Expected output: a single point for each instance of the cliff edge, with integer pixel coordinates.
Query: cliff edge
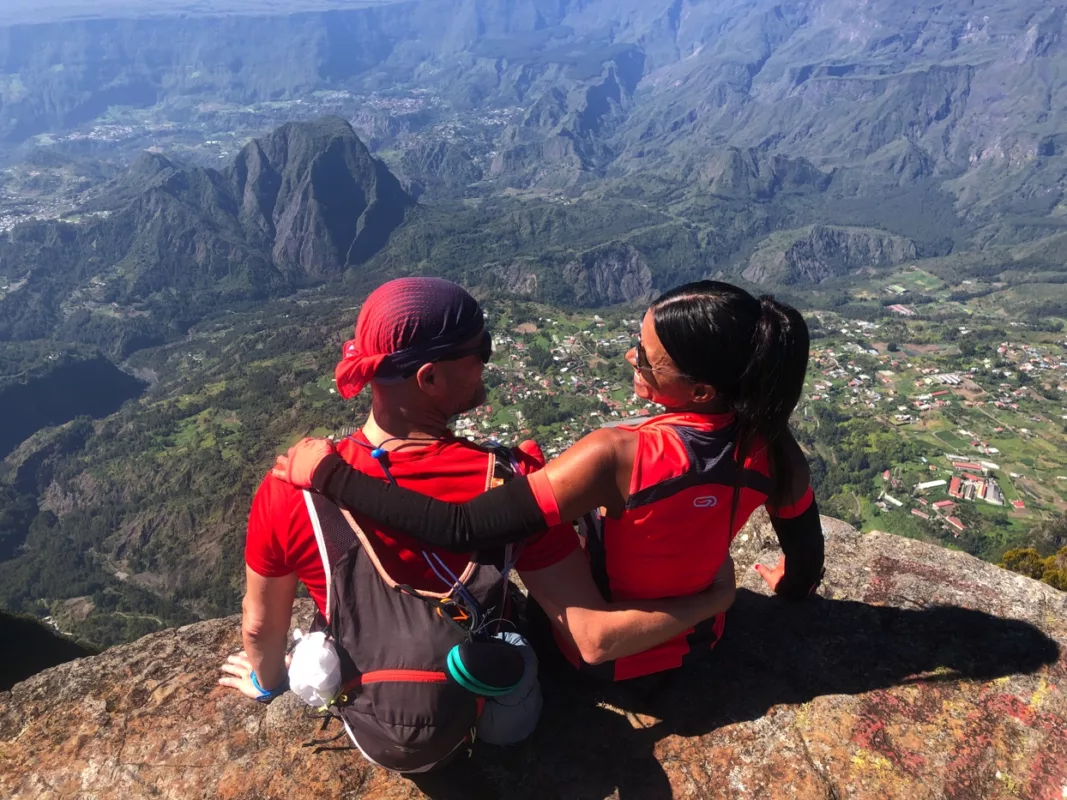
(920, 673)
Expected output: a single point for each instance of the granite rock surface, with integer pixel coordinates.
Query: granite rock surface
(918, 673)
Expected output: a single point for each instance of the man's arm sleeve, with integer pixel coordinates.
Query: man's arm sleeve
(799, 532)
(263, 552)
(505, 515)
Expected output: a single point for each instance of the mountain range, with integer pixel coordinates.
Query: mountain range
(166, 241)
(966, 94)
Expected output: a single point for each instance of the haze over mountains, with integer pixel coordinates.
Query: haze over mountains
(35, 11)
(610, 86)
(957, 109)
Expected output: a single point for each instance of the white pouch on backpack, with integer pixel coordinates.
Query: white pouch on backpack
(315, 671)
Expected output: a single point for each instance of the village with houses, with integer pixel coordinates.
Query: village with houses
(556, 378)
(971, 412)
(973, 426)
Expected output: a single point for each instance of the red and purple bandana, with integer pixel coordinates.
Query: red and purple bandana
(404, 324)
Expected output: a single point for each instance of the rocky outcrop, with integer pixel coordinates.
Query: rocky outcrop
(554, 160)
(754, 174)
(314, 194)
(518, 277)
(613, 273)
(814, 254)
(918, 673)
(439, 168)
(565, 134)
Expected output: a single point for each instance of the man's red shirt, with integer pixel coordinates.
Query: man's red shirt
(281, 540)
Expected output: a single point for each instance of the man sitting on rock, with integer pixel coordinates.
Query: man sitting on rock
(422, 345)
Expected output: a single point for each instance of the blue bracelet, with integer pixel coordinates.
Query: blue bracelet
(265, 695)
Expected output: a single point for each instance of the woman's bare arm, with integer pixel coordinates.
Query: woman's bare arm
(594, 473)
(586, 476)
(601, 631)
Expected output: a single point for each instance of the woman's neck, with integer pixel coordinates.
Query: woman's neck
(714, 407)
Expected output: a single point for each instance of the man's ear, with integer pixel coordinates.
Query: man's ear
(426, 377)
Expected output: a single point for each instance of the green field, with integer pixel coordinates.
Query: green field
(919, 281)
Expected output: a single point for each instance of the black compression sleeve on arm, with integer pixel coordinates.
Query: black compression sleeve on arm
(495, 518)
(802, 543)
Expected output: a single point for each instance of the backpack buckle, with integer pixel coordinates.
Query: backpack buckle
(455, 613)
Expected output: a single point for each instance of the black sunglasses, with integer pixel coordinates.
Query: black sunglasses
(484, 350)
(642, 356)
(641, 363)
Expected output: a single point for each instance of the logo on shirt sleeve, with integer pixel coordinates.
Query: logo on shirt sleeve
(709, 501)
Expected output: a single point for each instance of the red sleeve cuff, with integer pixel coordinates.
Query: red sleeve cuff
(266, 570)
(529, 450)
(795, 510)
(545, 497)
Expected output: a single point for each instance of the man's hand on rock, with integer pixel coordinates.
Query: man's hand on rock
(238, 675)
(299, 465)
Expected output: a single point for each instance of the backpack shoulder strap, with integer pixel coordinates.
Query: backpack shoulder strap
(503, 467)
(333, 535)
(336, 531)
(502, 464)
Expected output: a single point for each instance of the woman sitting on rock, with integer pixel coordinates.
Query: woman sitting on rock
(659, 501)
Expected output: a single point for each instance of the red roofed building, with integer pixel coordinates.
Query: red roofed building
(945, 503)
(967, 465)
(919, 513)
(955, 523)
(954, 488)
(1018, 503)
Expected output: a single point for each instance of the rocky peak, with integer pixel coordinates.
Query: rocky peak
(315, 194)
(919, 673)
(612, 273)
(819, 252)
(307, 200)
(751, 173)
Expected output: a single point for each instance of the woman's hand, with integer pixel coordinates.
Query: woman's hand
(303, 459)
(772, 575)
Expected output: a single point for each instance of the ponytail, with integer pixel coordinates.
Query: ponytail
(760, 359)
(771, 385)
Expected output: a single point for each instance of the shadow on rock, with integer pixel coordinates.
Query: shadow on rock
(33, 647)
(772, 654)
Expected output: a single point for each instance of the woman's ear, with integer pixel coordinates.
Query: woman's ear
(703, 393)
